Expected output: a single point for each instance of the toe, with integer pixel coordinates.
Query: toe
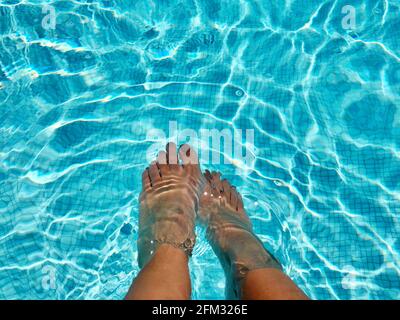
(146, 182)
(162, 157)
(172, 156)
(226, 189)
(216, 175)
(234, 197)
(216, 183)
(187, 155)
(208, 176)
(154, 173)
(189, 158)
(162, 163)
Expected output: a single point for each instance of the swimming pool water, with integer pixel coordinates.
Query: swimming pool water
(77, 103)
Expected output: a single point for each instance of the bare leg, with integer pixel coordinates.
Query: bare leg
(252, 273)
(165, 277)
(168, 204)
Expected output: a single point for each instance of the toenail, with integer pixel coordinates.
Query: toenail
(220, 197)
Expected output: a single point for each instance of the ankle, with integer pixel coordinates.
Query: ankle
(148, 249)
(169, 254)
(240, 251)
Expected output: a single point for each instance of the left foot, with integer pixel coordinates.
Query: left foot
(230, 232)
(169, 200)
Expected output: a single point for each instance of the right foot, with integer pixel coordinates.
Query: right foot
(230, 232)
(169, 201)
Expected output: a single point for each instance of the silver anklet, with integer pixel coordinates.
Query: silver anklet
(186, 246)
(147, 248)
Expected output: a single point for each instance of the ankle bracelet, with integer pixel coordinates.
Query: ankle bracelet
(186, 246)
(148, 248)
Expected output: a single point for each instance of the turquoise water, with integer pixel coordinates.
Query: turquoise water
(77, 103)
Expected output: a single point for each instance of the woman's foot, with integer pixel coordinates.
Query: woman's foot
(230, 232)
(169, 201)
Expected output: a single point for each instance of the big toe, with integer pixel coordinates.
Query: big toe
(171, 154)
